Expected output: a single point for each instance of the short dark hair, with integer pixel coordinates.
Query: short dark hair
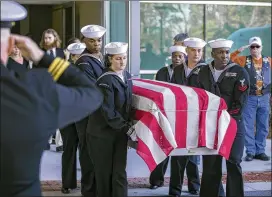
(72, 40)
(181, 37)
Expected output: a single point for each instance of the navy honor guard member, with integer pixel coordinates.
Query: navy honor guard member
(186, 74)
(231, 82)
(109, 138)
(70, 137)
(91, 63)
(178, 54)
(33, 106)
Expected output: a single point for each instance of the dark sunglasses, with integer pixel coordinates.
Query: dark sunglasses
(252, 47)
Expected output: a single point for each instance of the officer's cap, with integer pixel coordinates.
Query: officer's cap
(194, 42)
(176, 48)
(93, 31)
(11, 11)
(114, 48)
(76, 48)
(220, 43)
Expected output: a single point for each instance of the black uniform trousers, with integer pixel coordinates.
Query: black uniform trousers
(157, 175)
(109, 155)
(88, 185)
(178, 166)
(212, 169)
(69, 156)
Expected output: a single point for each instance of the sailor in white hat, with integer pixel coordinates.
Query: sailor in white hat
(191, 67)
(115, 112)
(178, 54)
(34, 105)
(178, 57)
(92, 37)
(187, 74)
(75, 50)
(221, 49)
(116, 57)
(92, 64)
(231, 82)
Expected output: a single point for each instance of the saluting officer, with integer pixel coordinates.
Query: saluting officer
(231, 82)
(91, 63)
(33, 106)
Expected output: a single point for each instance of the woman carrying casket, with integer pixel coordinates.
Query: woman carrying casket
(108, 127)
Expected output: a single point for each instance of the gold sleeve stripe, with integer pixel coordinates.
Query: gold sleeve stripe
(53, 65)
(58, 66)
(61, 69)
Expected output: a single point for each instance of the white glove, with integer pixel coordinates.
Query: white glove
(132, 133)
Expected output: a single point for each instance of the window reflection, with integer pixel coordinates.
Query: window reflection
(160, 22)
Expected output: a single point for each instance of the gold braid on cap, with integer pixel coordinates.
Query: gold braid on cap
(57, 67)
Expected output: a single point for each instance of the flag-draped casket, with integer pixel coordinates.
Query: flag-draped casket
(171, 116)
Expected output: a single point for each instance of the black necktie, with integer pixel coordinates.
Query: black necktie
(51, 53)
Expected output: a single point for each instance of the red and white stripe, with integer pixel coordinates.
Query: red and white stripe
(173, 116)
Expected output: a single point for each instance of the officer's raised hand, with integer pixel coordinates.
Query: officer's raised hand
(241, 49)
(30, 50)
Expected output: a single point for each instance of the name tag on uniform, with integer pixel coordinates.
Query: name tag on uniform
(230, 74)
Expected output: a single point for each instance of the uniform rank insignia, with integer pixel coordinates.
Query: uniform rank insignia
(230, 74)
(242, 87)
(196, 71)
(103, 85)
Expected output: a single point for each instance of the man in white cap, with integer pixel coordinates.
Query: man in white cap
(91, 63)
(231, 82)
(178, 55)
(33, 106)
(257, 107)
(69, 133)
(187, 74)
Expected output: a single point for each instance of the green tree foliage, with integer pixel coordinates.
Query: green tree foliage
(221, 21)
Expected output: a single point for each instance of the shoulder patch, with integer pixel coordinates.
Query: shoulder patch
(103, 85)
(83, 63)
(196, 71)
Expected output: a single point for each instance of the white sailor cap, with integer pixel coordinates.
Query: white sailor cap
(11, 11)
(114, 48)
(194, 42)
(76, 48)
(220, 43)
(255, 40)
(93, 31)
(177, 48)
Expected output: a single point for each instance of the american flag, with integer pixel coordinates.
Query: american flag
(171, 116)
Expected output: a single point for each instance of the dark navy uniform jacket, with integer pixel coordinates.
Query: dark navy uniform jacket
(115, 113)
(165, 74)
(33, 106)
(232, 85)
(179, 75)
(93, 68)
